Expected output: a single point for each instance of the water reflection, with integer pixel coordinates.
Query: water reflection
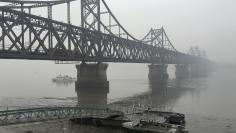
(159, 96)
(64, 83)
(91, 98)
(163, 96)
(166, 95)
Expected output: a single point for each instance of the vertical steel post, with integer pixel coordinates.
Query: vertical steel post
(68, 13)
(82, 4)
(152, 36)
(30, 37)
(3, 32)
(82, 14)
(162, 37)
(50, 38)
(162, 45)
(69, 22)
(49, 11)
(99, 15)
(99, 29)
(22, 29)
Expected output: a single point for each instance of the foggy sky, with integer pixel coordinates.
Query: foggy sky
(209, 24)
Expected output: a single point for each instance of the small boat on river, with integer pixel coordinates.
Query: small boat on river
(170, 117)
(152, 127)
(64, 78)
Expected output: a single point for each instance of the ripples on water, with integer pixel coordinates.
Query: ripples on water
(208, 102)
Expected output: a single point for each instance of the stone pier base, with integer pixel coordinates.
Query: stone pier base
(158, 73)
(92, 86)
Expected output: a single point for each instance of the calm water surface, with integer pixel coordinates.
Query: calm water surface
(29, 83)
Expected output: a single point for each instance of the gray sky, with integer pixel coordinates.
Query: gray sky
(209, 24)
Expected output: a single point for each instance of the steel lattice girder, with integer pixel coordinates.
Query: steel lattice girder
(96, 47)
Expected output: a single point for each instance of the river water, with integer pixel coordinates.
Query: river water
(208, 102)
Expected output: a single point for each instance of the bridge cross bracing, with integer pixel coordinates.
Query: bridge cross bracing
(27, 36)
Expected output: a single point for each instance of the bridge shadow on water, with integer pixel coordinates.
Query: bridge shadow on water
(161, 96)
(92, 91)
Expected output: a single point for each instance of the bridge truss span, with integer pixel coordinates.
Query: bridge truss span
(26, 36)
(65, 42)
(158, 38)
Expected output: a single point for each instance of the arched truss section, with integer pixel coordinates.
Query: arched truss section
(96, 15)
(35, 43)
(158, 38)
(195, 51)
(26, 36)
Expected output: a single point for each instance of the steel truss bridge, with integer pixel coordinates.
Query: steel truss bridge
(100, 38)
(26, 115)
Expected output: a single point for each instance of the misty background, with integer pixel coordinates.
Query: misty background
(208, 24)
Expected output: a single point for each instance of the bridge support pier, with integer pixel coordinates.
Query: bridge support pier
(181, 71)
(158, 74)
(92, 86)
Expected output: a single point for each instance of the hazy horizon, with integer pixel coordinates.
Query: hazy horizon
(204, 94)
(208, 24)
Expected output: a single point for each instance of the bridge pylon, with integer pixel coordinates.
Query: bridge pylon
(91, 14)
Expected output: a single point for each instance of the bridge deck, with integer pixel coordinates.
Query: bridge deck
(44, 39)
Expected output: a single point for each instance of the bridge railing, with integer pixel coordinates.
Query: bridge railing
(24, 115)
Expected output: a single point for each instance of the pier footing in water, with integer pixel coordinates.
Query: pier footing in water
(158, 73)
(92, 86)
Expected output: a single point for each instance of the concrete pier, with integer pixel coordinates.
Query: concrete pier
(158, 73)
(181, 71)
(92, 86)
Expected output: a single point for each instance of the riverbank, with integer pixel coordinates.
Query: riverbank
(195, 124)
